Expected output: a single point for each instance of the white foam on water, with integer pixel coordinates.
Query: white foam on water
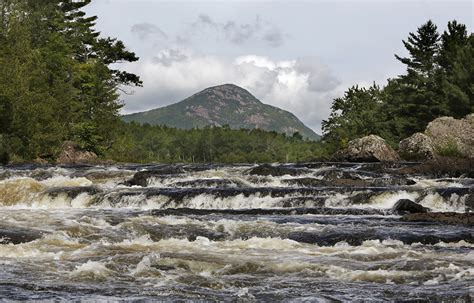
(436, 202)
(386, 200)
(436, 183)
(91, 270)
(264, 243)
(65, 181)
(205, 201)
(25, 251)
(144, 266)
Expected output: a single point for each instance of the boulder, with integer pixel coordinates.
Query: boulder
(17, 235)
(141, 178)
(371, 148)
(443, 217)
(72, 153)
(416, 147)
(452, 137)
(404, 206)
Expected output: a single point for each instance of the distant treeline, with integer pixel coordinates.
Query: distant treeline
(145, 143)
(439, 82)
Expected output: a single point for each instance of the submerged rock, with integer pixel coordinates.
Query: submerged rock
(371, 148)
(72, 191)
(416, 147)
(270, 170)
(404, 206)
(18, 235)
(218, 183)
(442, 167)
(442, 217)
(141, 178)
(72, 153)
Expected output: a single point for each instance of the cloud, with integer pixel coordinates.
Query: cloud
(147, 30)
(234, 32)
(168, 56)
(304, 87)
(320, 78)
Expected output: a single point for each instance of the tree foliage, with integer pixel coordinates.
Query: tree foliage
(439, 81)
(56, 82)
(146, 143)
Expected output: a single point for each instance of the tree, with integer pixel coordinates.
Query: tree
(415, 98)
(56, 80)
(423, 49)
(358, 113)
(457, 69)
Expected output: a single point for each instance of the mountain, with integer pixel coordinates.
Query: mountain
(221, 105)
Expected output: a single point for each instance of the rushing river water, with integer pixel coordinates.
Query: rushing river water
(315, 232)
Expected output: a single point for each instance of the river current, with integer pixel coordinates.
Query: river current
(317, 232)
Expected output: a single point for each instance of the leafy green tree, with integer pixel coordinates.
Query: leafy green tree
(358, 113)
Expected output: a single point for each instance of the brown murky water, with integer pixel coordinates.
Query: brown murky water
(219, 233)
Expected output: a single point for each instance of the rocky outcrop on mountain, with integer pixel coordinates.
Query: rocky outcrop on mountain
(72, 153)
(371, 148)
(222, 105)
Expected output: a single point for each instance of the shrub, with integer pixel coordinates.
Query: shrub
(449, 149)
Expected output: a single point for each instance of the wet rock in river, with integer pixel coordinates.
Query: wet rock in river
(368, 149)
(270, 170)
(221, 183)
(330, 238)
(141, 178)
(404, 206)
(442, 217)
(72, 191)
(469, 203)
(442, 167)
(18, 235)
(40, 175)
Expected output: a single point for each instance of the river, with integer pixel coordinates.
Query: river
(317, 232)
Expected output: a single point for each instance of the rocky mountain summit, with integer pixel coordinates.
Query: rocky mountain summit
(226, 104)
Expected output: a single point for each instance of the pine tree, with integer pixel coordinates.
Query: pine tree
(416, 96)
(457, 69)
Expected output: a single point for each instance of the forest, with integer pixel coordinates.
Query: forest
(439, 81)
(59, 81)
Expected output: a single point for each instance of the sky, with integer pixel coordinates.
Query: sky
(296, 55)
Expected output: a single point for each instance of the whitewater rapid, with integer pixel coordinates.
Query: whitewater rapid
(313, 232)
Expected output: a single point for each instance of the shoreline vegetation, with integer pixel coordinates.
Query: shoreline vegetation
(59, 83)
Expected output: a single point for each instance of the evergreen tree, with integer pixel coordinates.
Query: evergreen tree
(56, 83)
(416, 95)
(457, 75)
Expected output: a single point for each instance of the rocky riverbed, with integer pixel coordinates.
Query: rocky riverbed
(305, 232)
